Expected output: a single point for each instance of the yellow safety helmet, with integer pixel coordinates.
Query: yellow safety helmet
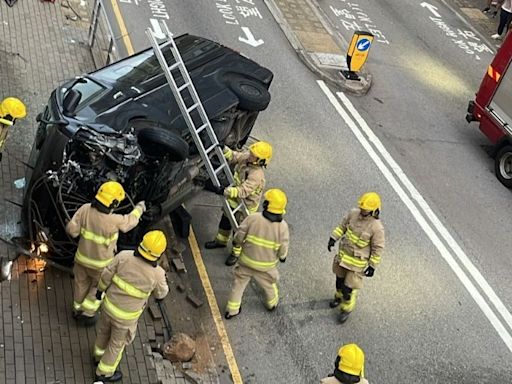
(263, 151)
(277, 201)
(110, 192)
(152, 246)
(369, 201)
(351, 360)
(11, 108)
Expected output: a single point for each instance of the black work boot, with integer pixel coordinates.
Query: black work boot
(231, 260)
(335, 302)
(88, 321)
(343, 316)
(118, 375)
(76, 314)
(227, 316)
(214, 244)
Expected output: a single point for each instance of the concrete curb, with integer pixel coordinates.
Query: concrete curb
(329, 72)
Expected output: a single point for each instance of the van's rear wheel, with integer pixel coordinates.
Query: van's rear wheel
(503, 166)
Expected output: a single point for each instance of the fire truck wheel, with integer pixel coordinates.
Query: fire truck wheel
(503, 166)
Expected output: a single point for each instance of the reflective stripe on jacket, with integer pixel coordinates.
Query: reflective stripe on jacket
(249, 181)
(98, 233)
(128, 282)
(262, 242)
(362, 241)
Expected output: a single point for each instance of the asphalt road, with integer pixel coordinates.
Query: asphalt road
(422, 318)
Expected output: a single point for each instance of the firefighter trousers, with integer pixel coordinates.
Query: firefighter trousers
(112, 336)
(85, 285)
(225, 228)
(266, 280)
(348, 284)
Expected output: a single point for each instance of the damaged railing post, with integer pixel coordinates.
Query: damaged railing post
(101, 39)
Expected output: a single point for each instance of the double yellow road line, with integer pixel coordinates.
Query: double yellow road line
(194, 247)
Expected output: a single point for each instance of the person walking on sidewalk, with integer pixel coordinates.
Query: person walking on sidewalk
(260, 242)
(361, 236)
(127, 283)
(505, 18)
(98, 229)
(249, 184)
(348, 366)
(11, 109)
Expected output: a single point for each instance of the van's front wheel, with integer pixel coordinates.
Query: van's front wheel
(503, 166)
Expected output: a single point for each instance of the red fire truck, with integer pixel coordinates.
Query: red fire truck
(492, 108)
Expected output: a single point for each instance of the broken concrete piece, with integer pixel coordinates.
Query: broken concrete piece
(196, 301)
(181, 347)
(154, 311)
(179, 265)
(180, 287)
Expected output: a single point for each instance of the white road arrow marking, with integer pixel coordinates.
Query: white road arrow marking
(431, 8)
(159, 34)
(250, 39)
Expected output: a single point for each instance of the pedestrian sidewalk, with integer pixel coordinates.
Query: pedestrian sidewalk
(40, 47)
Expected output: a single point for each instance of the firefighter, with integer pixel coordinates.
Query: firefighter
(260, 242)
(127, 283)
(98, 229)
(11, 109)
(249, 183)
(348, 366)
(361, 245)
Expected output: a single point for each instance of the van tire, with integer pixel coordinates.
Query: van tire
(252, 95)
(155, 140)
(503, 166)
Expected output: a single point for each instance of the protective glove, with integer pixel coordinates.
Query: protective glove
(98, 294)
(159, 300)
(282, 260)
(331, 244)
(151, 213)
(141, 205)
(369, 271)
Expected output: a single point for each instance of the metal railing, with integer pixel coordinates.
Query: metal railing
(102, 41)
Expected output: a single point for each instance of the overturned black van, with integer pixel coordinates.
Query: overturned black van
(122, 123)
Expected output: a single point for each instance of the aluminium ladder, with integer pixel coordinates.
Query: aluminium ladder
(194, 114)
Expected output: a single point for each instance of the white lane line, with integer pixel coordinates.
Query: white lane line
(434, 238)
(443, 231)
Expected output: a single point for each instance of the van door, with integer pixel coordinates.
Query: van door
(501, 103)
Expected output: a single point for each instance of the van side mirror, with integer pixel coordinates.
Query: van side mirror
(70, 102)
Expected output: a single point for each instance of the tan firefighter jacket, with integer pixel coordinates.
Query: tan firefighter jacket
(99, 232)
(128, 282)
(362, 241)
(263, 242)
(333, 380)
(249, 181)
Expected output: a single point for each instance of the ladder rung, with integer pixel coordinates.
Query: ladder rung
(240, 206)
(174, 66)
(219, 169)
(192, 107)
(183, 86)
(201, 128)
(166, 44)
(211, 148)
